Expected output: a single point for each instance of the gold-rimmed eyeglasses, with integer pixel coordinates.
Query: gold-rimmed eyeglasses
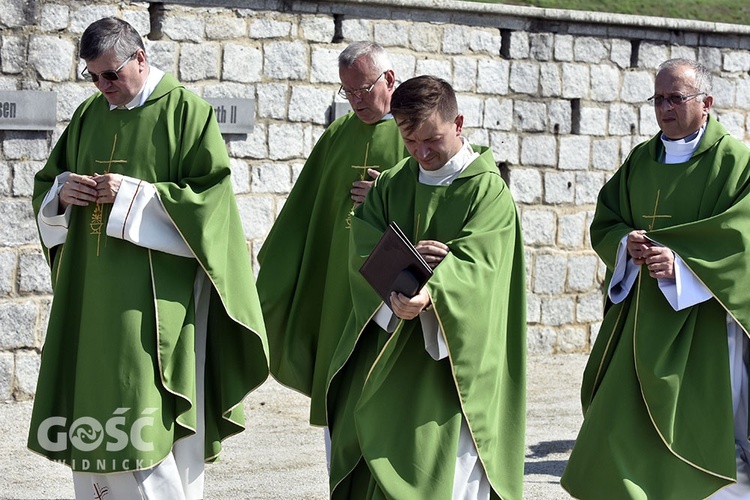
(359, 93)
(674, 99)
(110, 75)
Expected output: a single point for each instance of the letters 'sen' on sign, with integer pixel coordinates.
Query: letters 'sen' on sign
(28, 110)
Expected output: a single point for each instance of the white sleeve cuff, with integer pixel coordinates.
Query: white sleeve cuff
(385, 318)
(434, 343)
(53, 227)
(685, 289)
(624, 274)
(138, 216)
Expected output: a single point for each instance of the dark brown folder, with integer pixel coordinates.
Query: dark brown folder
(394, 265)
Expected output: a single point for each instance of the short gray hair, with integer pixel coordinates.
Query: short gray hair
(703, 80)
(109, 34)
(375, 52)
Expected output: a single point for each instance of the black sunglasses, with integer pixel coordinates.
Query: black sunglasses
(107, 75)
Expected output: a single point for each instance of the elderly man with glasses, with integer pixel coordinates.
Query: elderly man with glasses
(155, 334)
(303, 280)
(665, 391)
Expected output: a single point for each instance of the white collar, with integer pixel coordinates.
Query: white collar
(448, 172)
(680, 150)
(152, 80)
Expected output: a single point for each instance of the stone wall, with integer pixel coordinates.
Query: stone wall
(558, 95)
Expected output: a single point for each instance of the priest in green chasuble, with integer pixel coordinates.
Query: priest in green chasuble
(427, 398)
(665, 391)
(155, 333)
(303, 282)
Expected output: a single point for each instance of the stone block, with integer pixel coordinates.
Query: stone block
(542, 45)
(269, 28)
(575, 152)
(637, 86)
(519, 45)
(324, 67)
(504, 147)
(242, 63)
(558, 311)
(549, 274)
(571, 339)
(253, 145)
(550, 81)
(17, 226)
(539, 227)
(588, 185)
(52, 57)
(478, 137)
(317, 28)
(425, 37)
(605, 83)
(647, 125)
(404, 65)
(231, 90)
(6, 376)
(563, 48)
(540, 150)
(590, 50)
(271, 178)
(524, 77)
(742, 96)
(455, 40)
(605, 154)
(17, 324)
(310, 104)
(533, 308)
(593, 121)
(199, 62)
(272, 98)
(257, 215)
(12, 13)
(541, 340)
(651, 55)
(575, 81)
(436, 67)
(25, 145)
(181, 27)
(282, 60)
(296, 170)
(392, 34)
(13, 54)
(240, 176)
(225, 27)
(162, 55)
(34, 274)
(710, 57)
(582, 270)
(486, 41)
(23, 177)
(559, 187)
(83, 14)
(724, 92)
(560, 117)
(26, 374)
(472, 109)
(734, 123)
(683, 52)
(7, 272)
(594, 332)
(530, 116)
(498, 114)
(526, 185)
(619, 52)
(286, 141)
(140, 20)
(590, 307)
(5, 179)
(356, 29)
(464, 74)
(571, 230)
(493, 76)
(623, 119)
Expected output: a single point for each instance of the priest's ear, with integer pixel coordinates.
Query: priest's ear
(708, 101)
(390, 79)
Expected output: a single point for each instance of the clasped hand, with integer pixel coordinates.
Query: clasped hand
(658, 260)
(409, 307)
(84, 189)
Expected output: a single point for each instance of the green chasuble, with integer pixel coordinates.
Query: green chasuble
(117, 384)
(395, 412)
(657, 401)
(303, 282)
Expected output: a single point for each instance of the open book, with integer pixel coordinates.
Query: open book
(394, 265)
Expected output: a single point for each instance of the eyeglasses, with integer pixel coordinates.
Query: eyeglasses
(674, 100)
(110, 75)
(358, 93)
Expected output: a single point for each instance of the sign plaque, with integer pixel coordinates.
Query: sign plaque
(28, 110)
(235, 116)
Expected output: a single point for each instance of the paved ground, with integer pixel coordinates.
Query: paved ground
(281, 457)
